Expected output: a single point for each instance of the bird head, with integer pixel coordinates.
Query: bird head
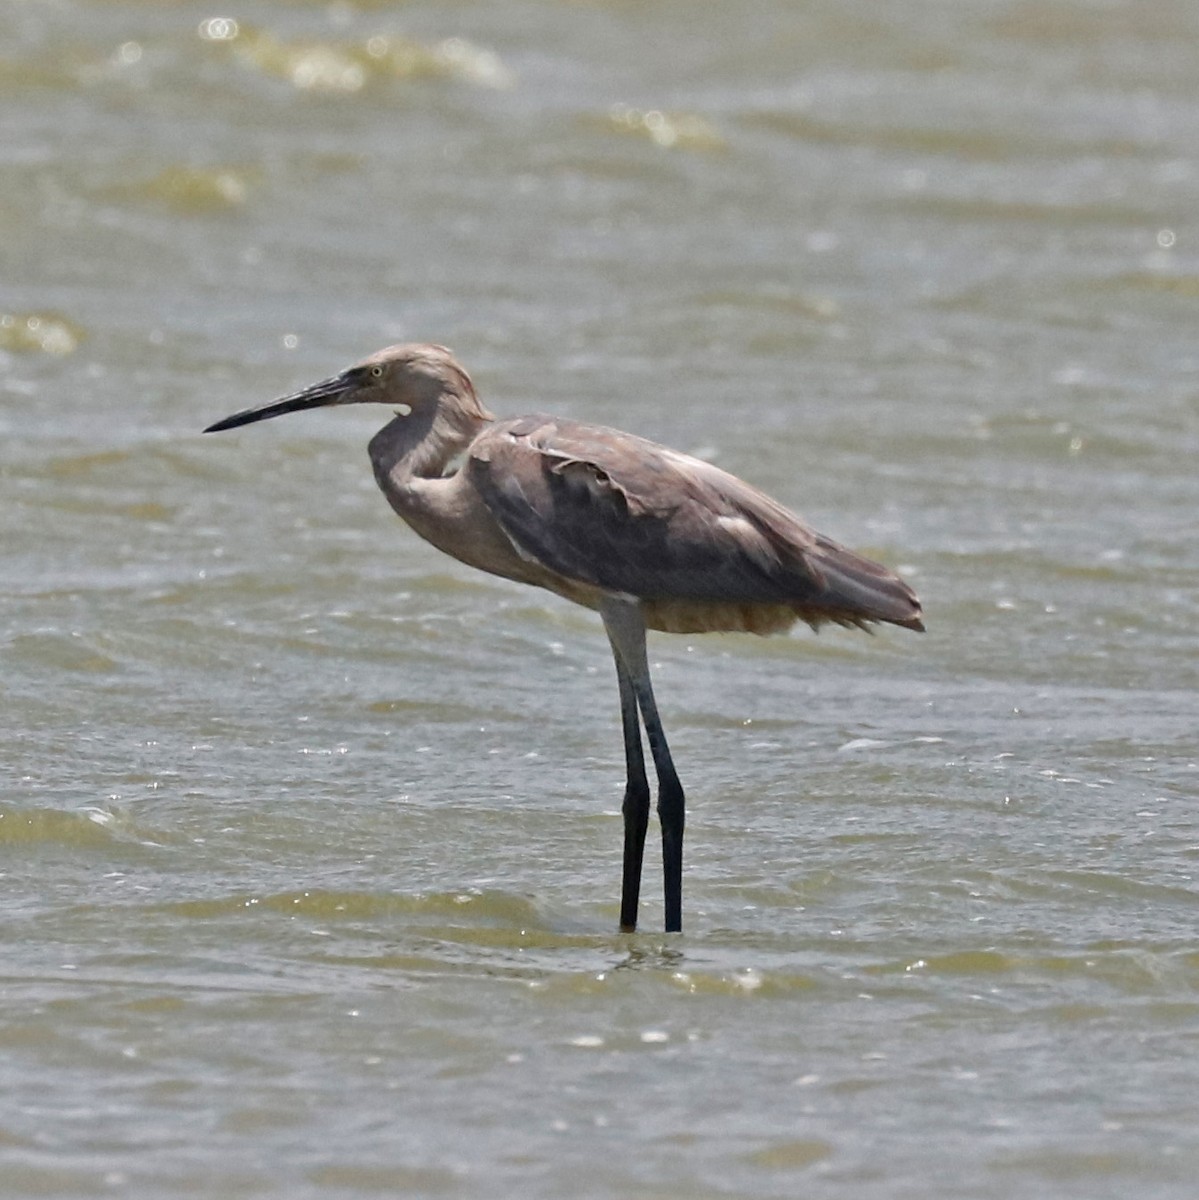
(412, 378)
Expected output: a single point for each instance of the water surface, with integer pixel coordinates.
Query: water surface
(309, 838)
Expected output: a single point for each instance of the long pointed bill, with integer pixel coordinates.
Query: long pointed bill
(336, 390)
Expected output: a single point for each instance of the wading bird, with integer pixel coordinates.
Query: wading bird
(648, 537)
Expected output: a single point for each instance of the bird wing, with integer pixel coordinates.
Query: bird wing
(626, 515)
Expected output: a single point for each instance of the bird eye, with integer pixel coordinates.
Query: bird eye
(376, 371)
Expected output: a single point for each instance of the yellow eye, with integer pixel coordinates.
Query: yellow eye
(376, 372)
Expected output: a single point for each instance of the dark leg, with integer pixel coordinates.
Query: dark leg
(626, 631)
(636, 801)
(671, 808)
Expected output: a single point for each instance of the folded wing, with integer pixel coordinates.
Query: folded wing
(625, 515)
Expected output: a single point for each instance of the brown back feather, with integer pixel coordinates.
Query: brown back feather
(626, 515)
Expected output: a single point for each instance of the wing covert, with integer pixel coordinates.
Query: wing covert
(626, 515)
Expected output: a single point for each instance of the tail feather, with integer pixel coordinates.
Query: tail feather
(857, 589)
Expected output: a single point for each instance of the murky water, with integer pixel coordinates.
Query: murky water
(309, 841)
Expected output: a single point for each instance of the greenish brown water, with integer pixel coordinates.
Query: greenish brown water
(309, 838)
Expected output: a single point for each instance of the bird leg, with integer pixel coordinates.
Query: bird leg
(670, 806)
(626, 631)
(636, 800)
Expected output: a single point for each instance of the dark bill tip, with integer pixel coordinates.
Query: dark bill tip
(329, 391)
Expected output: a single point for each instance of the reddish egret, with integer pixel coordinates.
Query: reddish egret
(648, 537)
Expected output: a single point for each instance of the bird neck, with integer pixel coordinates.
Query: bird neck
(423, 444)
